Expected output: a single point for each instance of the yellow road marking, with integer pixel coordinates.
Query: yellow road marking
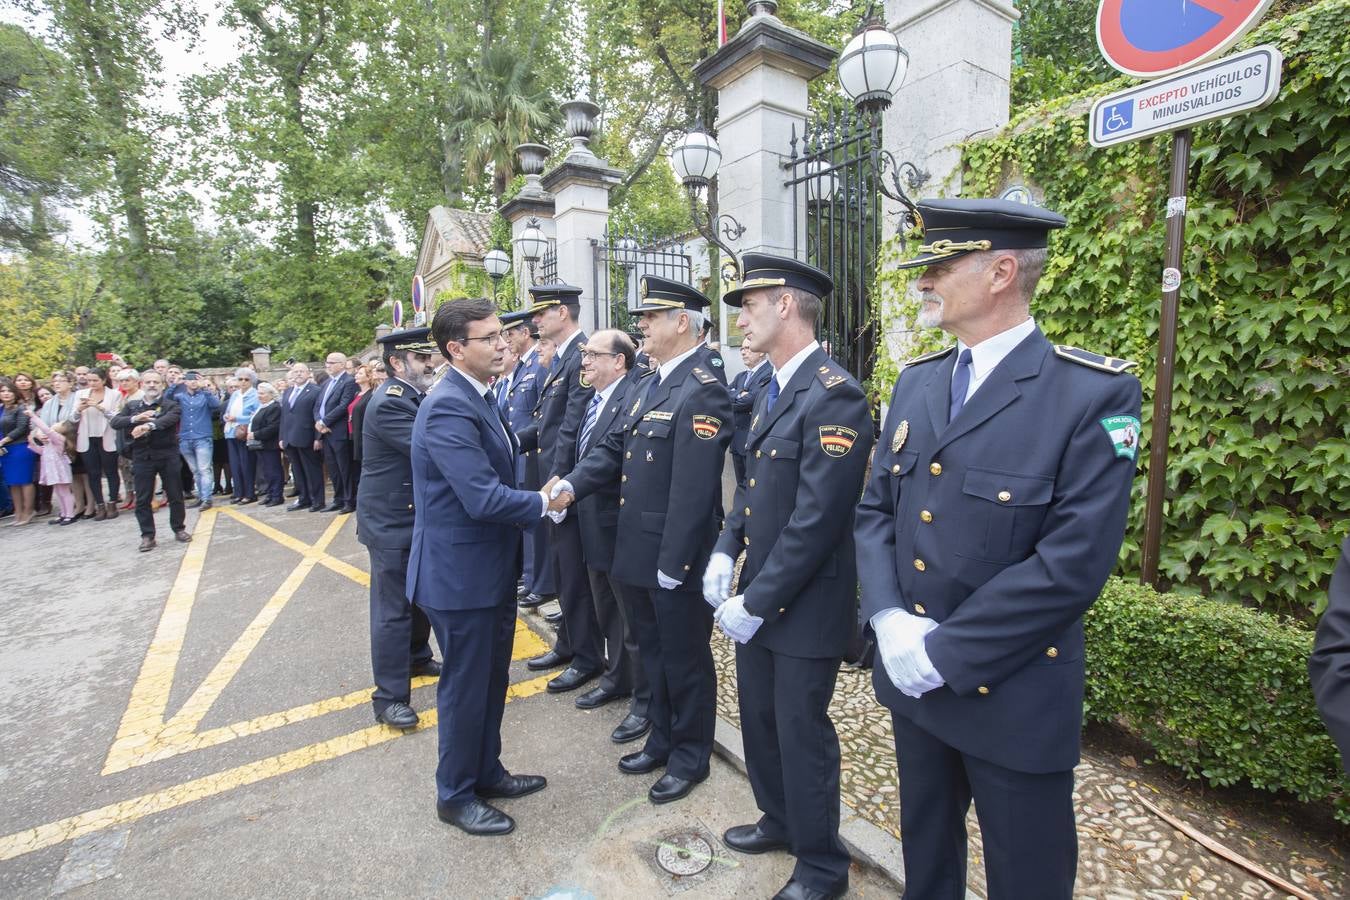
(144, 736)
(125, 812)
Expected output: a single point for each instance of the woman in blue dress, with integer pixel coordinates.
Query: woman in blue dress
(18, 461)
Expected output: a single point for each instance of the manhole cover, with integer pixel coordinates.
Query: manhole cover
(684, 854)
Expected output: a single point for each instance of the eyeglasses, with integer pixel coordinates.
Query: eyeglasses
(592, 354)
(488, 339)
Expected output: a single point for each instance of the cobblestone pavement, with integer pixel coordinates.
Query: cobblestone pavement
(1124, 850)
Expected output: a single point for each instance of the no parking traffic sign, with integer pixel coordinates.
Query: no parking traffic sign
(1149, 38)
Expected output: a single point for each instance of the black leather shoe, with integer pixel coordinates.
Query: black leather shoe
(669, 788)
(553, 618)
(530, 601)
(630, 729)
(147, 544)
(182, 537)
(549, 660)
(399, 715)
(430, 667)
(639, 763)
(349, 508)
(514, 786)
(318, 509)
(521, 591)
(570, 679)
(475, 817)
(597, 697)
(749, 839)
(795, 890)
(294, 507)
(333, 507)
(247, 500)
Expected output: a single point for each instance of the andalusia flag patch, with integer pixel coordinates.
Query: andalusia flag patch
(1124, 434)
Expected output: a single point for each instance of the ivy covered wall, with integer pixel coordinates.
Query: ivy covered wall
(1259, 470)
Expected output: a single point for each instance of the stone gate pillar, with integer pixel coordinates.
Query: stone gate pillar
(580, 186)
(533, 202)
(760, 76)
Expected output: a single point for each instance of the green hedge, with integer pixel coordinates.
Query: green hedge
(1219, 690)
(1258, 479)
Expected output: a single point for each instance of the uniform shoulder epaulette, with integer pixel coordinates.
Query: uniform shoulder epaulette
(1093, 360)
(394, 390)
(927, 357)
(703, 376)
(831, 375)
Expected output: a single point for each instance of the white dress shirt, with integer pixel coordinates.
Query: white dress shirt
(784, 375)
(988, 353)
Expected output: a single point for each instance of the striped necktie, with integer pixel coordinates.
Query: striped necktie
(592, 413)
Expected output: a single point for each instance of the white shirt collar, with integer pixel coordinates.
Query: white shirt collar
(478, 387)
(784, 375)
(565, 344)
(530, 354)
(667, 367)
(762, 363)
(988, 353)
(608, 392)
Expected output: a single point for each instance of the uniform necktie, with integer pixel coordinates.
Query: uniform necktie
(774, 391)
(960, 384)
(503, 390)
(655, 383)
(588, 424)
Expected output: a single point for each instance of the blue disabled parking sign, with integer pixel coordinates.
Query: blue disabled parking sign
(1117, 117)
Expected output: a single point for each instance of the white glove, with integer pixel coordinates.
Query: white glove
(562, 486)
(717, 579)
(900, 644)
(557, 517)
(666, 582)
(736, 622)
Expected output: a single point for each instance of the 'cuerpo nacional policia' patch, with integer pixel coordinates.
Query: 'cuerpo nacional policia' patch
(1124, 434)
(836, 440)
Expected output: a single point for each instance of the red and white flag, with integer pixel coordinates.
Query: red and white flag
(721, 23)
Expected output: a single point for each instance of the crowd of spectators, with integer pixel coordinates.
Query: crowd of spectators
(68, 441)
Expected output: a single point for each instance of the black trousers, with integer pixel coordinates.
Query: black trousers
(1026, 820)
(622, 674)
(792, 757)
(243, 464)
(672, 630)
(337, 458)
(579, 632)
(307, 470)
(471, 695)
(269, 462)
(101, 464)
(143, 472)
(398, 629)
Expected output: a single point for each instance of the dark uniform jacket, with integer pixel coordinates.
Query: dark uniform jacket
(794, 515)
(1002, 527)
(384, 497)
(668, 455)
(557, 416)
(162, 440)
(744, 390)
(1329, 667)
(598, 513)
(297, 421)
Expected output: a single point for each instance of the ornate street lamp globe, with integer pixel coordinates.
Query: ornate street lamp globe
(872, 67)
(532, 242)
(628, 251)
(496, 262)
(695, 158)
(822, 184)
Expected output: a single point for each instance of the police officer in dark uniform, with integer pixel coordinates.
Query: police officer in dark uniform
(994, 513)
(553, 434)
(744, 390)
(668, 459)
(399, 631)
(810, 435)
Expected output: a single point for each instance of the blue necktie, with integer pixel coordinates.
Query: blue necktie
(651, 388)
(960, 384)
(502, 392)
(774, 391)
(588, 424)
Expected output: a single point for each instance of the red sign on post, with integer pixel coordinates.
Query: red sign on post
(1151, 38)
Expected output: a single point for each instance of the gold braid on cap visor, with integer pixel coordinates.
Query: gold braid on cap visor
(945, 247)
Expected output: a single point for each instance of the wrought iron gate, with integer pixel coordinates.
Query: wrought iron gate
(620, 263)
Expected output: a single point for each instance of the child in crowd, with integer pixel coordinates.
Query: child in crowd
(55, 463)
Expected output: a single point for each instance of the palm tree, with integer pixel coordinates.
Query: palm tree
(497, 105)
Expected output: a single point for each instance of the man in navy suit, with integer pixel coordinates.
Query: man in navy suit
(300, 440)
(744, 389)
(465, 556)
(518, 398)
(993, 515)
(330, 423)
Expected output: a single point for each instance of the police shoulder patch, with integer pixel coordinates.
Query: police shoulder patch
(715, 361)
(1124, 434)
(1093, 360)
(831, 375)
(394, 390)
(706, 427)
(837, 440)
(703, 376)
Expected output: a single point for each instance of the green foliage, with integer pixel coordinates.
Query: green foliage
(37, 329)
(1259, 470)
(1220, 691)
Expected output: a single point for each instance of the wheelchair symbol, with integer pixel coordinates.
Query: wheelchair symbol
(1118, 117)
